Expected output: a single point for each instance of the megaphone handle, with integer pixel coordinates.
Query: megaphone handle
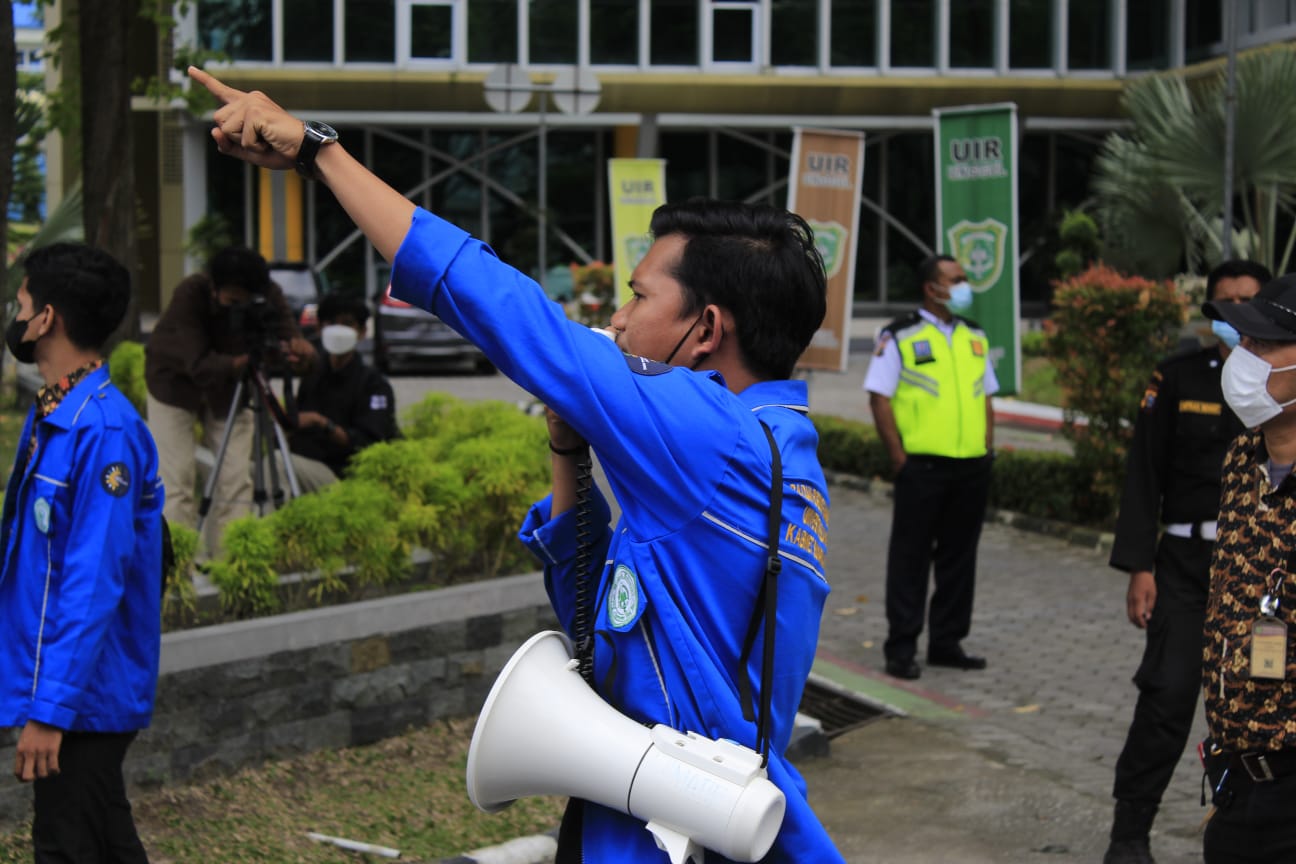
(680, 848)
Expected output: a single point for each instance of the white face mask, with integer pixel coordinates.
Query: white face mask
(339, 338)
(1245, 380)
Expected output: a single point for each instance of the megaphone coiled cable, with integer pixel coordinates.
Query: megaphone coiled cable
(582, 620)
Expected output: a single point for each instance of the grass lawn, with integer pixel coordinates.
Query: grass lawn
(407, 793)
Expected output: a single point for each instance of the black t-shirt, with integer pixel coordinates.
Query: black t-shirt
(357, 398)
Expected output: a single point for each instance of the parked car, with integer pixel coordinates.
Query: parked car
(405, 334)
(302, 287)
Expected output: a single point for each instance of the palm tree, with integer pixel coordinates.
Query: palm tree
(1160, 187)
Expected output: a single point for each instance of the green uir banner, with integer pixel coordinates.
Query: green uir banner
(976, 220)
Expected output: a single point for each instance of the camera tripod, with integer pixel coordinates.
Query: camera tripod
(269, 418)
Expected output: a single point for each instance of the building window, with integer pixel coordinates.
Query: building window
(431, 31)
(972, 34)
(674, 33)
(614, 32)
(1088, 35)
(492, 31)
(1030, 35)
(733, 33)
(310, 38)
(796, 24)
(370, 31)
(239, 28)
(1147, 35)
(1203, 28)
(853, 33)
(913, 33)
(553, 28)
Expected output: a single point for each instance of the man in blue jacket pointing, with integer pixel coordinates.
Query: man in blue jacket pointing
(686, 410)
(80, 584)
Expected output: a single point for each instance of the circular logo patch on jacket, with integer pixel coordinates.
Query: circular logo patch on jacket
(115, 479)
(623, 598)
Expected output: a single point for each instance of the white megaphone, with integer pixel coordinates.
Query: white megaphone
(544, 731)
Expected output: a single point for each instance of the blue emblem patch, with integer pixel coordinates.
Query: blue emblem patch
(644, 366)
(115, 479)
(922, 351)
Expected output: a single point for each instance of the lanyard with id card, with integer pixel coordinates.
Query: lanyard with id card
(1269, 632)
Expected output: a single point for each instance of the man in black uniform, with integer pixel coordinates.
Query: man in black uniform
(1173, 478)
(344, 404)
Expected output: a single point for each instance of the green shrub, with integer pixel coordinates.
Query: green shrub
(1034, 343)
(1105, 334)
(1045, 485)
(126, 368)
(180, 601)
(458, 485)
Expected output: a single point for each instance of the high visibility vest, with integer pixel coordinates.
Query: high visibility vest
(940, 401)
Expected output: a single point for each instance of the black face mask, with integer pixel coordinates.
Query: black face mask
(23, 352)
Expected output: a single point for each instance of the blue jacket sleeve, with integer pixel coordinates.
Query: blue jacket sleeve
(87, 586)
(555, 541)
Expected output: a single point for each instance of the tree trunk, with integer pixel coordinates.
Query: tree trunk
(107, 166)
(8, 108)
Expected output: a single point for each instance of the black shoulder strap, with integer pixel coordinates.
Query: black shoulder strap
(767, 608)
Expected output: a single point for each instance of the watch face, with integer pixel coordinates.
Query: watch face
(323, 131)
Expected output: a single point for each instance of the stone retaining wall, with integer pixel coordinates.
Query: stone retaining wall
(236, 694)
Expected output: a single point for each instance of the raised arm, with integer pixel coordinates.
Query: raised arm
(252, 127)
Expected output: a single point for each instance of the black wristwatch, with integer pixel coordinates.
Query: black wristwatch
(315, 135)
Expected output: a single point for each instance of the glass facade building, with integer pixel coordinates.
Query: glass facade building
(715, 87)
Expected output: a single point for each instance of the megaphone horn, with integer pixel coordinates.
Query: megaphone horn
(543, 731)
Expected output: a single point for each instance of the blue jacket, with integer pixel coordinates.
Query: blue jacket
(690, 466)
(80, 588)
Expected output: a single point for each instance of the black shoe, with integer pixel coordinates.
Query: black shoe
(956, 659)
(1129, 852)
(906, 669)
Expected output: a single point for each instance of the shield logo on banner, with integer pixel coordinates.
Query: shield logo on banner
(981, 248)
(830, 240)
(636, 247)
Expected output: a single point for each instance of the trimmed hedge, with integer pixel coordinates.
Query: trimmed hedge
(1033, 483)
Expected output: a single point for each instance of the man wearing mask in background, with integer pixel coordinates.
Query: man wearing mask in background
(198, 352)
(344, 404)
(1249, 662)
(929, 384)
(1172, 477)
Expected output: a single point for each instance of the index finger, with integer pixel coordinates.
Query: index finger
(220, 90)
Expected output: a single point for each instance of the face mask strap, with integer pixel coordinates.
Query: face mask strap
(680, 343)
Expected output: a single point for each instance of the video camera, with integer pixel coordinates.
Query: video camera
(256, 322)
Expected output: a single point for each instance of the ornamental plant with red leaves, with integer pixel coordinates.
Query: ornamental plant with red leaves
(1105, 335)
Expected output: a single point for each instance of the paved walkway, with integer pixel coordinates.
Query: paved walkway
(1010, 764)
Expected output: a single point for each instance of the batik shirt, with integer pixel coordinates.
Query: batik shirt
(1257, 533)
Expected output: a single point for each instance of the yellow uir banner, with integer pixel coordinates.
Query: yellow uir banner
(827, 172)
(636, 187)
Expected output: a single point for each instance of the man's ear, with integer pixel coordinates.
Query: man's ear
(712, 329)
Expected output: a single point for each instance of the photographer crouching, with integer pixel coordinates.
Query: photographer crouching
(218, 326)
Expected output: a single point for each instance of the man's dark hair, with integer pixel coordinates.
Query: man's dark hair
(929, 269)
(238, 265)
(760, 263)
(334, 306)
(1236, 268)
(86, 286)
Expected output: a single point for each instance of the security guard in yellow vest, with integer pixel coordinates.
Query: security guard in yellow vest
(929, 384)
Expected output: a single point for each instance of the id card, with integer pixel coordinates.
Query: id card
(1269, 649)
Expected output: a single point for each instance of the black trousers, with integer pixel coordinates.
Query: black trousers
(1257, 825)
(81, 814)
(939, 508)
(1169, 677)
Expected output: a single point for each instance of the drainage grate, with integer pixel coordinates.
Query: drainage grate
(838, 711)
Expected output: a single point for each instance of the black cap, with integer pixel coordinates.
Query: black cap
(1269, 315)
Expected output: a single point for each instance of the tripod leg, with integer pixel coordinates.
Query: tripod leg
(267, 429)
(291, 473)
(204, 506)
(258, 460)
